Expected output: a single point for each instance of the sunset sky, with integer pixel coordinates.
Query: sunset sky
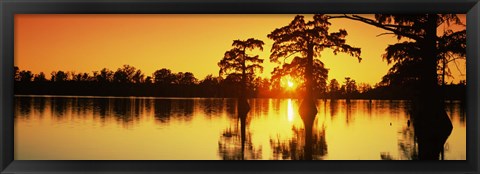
(182, 43)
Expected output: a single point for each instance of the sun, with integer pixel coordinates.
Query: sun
(290, 84)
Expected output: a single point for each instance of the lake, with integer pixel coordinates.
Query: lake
(144, 128)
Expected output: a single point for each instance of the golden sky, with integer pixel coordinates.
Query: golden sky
(180, 42)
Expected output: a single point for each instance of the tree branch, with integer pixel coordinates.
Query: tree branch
(388, 27)
(381, 34)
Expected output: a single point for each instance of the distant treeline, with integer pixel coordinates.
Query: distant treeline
(129, 81)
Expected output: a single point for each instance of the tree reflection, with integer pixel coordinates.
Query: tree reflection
(333, 107)
(81, 106)
(25, 105)
(163, 109)
(125, 110)
(419, 142)
(348, 112)
(259, 106)
(39, 104)
(212, 107)
(59, 106)
(235, 145)
(183, 108)
(407, 143)
(101, 108)
(369, 108)
(431, 137)
(148, 105)
(303, 146)
(306, 143)
(138, 105)
(231, 107)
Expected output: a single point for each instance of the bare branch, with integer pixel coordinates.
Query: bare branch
(458, 68)
(381, 34)
(388, 27)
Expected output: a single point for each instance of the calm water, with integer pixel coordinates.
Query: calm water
(63, 128)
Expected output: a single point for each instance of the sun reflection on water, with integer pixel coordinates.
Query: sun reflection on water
(290, 110)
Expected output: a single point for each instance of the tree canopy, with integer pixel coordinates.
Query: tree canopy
(236, 62)
(306, 40)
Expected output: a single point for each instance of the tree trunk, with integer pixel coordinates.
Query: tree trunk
(308, 109)
(243, 106)
(432, 124)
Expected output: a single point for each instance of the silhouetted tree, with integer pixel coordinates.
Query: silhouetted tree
(40, 77)
(125, 74)
(104, 76)
(185, 78)
(138, 77)
(261, 87)
(350, 87)
(16, 73)
(334, 88)
(86, 77)
(425, 52)
(428, 104)
(25, 76)
(59, 76)
(296, 69)
(452, 46)
(364, 87)
(80, 77)
(163, 76)
(237, 61)
(308, 39)
(76, 77)
(232, 85)
(210, 80)
(210, 85)
(148, 80)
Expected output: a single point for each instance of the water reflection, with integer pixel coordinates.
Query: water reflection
(170, 128)
(163, 109)
(302, 146)
(183, 108)
(306, 143)
(25, 106)
(59, 106)
(235, 144)
(290, 110)
(333, 107)
(348, 113)
(39, 104)
(102, 108)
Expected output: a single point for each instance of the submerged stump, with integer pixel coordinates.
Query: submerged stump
(432, 127)
(308, 111)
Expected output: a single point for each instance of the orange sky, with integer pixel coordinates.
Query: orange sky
(193, 43)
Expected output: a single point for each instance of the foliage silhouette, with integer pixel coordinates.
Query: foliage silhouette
(422, 56)
(296, 69)
(164, 77)
(334, 89)
(308, 39)
(349, 87)
(236, 62)
(100, 83)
